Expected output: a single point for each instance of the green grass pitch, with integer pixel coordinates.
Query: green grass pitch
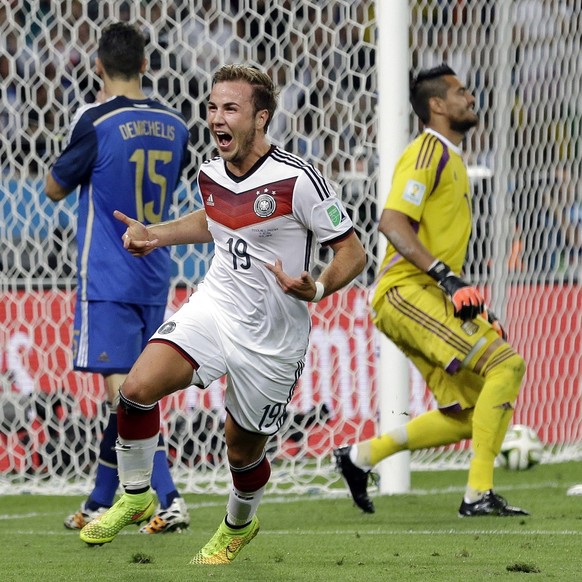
(315, 538)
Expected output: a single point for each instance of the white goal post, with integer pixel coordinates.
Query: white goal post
(393, 135)
(342, 66)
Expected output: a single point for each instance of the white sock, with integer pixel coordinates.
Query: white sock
(472, 495)
(354, 454)
(135, 459)
(242, 506)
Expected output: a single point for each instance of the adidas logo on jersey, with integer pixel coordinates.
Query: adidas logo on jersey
(210, 201)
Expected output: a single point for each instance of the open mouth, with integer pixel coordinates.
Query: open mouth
(223, 139)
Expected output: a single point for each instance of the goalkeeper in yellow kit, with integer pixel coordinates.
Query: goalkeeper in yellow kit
(436, 318)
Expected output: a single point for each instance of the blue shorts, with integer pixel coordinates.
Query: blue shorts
(108, 337)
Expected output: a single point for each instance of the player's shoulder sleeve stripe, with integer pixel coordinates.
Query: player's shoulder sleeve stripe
(89, 109)
(320, 184)
(108, 114)
(429, 144)
(339, 238)
(442, 162)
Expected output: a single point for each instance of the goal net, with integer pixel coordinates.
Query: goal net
(323, 56)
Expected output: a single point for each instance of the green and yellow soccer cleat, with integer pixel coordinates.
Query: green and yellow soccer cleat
(129, 509)
(226, 544)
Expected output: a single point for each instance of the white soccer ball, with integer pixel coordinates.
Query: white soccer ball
(521, 448)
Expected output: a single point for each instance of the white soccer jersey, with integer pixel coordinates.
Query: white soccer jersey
(277, 211)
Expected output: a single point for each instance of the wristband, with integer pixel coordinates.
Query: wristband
(439, 270)
(319, 291)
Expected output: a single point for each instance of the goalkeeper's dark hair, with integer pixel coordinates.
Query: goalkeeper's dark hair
(121, 50)
(265, 93)
(428, 83)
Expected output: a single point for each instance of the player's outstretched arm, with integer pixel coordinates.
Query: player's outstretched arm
(141, 240)
(137, 239)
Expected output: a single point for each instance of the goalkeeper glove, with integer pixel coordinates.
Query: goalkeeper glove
(467, 300)
(492, 319)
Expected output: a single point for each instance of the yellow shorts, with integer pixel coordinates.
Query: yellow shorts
(449, 353)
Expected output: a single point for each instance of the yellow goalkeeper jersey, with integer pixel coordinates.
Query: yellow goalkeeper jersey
(431, 186)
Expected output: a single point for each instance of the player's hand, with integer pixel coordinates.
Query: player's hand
(467, 300)
(302, 287)
(492, 319)
(136, 239)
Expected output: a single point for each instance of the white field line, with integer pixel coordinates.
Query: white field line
(351, 532)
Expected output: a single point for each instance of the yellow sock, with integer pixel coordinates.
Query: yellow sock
(431, 429)
(492, 416)
(374, 450)
(436, 428)
(385, 445)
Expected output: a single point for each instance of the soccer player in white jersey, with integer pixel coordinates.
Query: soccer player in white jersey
(265, 210)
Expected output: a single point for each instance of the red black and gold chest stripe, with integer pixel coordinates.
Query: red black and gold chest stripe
(237, 210)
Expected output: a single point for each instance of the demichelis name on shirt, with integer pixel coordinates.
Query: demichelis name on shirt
(146, 127)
